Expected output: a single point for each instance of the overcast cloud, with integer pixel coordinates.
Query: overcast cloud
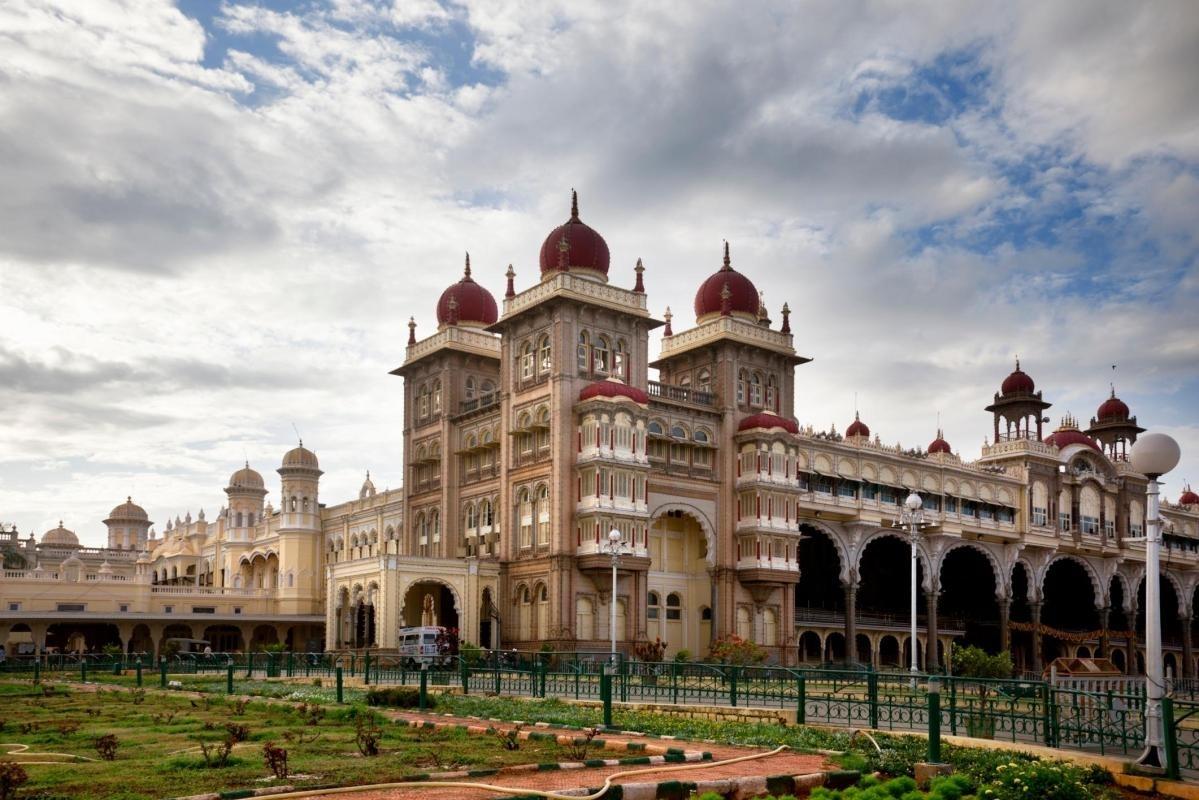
(217, 218)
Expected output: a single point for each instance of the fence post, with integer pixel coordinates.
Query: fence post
(464, 670)
(1046, 715)
(249, 665)
(674, 682)
(872, 697)
(138, 665)
(229, 678)
(606, 694)
(733, 686)
(83, 670)
(424, 686)
(1170, 738)
(366, 669)
(934, 720)
(801, 700)
(496, 666)
(953, 706)
(545, 668)
(340, 695)
(162, 672)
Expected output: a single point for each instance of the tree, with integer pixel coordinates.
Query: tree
(974, 662)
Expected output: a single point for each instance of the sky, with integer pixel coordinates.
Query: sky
(217, 217)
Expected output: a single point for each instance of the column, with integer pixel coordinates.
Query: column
(38, 632)
(1005, 632)
(1131, 642)
(787, 627)
(1187, 653)
(931, 661)
(1035, 605)
(1104, 620)
(851, 622)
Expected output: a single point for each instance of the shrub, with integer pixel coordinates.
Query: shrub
(367, 734)
(216, 754)
(275, 759)
(66, 727)
(732, 649)
(650, 651)
(683, 656)
(240, 705)
(312, 714)
(106, 746)
(12, 776)
(1044, 780)
(509, 738)
(238, 733)
(471, 654)
(137, 696)
(580, 746)
(397, 697)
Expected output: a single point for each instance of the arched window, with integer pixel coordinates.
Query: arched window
(525, 614)
(702, 436)
(470, 388)
(678, 432)
(543, 354)
(543, 515)
(526, 518)
(584, 619)
(293, 502)
(486, 513)
(582, 353)
(600, 354)
(655, 429)
(543, 428)
(770, 628)
(772, 394)
(526, 361)
(653, 606)
(744, 623)
(742, 387)
(620, 358)
(304, 505)
(239, 518)
(435, 525)
(685, 380)
(674, 607)
(437, 397)
(488, 388)
(755, 390)
(703, 380)
(543, 612)
(472, 519)
(422, 400)
(421, 529)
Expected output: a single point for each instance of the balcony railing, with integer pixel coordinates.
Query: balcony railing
(681, 394)
(479, 403)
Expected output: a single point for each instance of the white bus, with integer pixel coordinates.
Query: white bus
(419, 645)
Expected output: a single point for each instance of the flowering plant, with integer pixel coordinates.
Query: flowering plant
(732, 649)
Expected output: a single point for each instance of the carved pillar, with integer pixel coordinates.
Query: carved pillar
(1036, 636)
(1104, 620)
(931, 661)
(1005, 632)
(1131, 641)
(1187, 653)
(851, 622)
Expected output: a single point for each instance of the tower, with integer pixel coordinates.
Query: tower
(301, 587)
(1114, 428)
(245, 491)
(128, 526)
(1019, 405)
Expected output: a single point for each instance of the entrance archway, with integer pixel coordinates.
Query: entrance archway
(678, 579)
(809, 647)
(429, 603)
(967, 597)
(883, 570)
(819, 588)
(223, 638)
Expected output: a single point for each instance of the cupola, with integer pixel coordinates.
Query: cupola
(727, 292)
(575, 246)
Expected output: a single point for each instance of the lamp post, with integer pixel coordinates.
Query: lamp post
(1153, 455)
(615, 548)
(911, 515)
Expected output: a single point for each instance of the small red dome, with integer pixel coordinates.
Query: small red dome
(574, 245)
(742, 294)
(1019, 382)
(613, 388)
(1064, 438)
(939, 445)
(1113, 409)
(857, 427)
(471, 303)
(1188, 498)
(768, 420)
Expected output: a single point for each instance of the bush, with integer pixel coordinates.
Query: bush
(367, 734)
(683, 656)
(732, 649)
(106, 746)
(275, 759)
(238, 733)
(12, 776)
(653, 651)
(397, 697)
(471, 654)
(974, 662)
(1044, 780)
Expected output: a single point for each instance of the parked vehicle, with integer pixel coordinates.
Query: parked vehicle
(420, 645)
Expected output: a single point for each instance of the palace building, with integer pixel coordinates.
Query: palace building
(532, 429)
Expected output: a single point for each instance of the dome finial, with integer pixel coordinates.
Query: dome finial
(574, 205)
(639, 286)
(728, 262)
(511, 275)
(786, 318)
(1017, 362)
(466, 271)
(411, 333)
(667, 316)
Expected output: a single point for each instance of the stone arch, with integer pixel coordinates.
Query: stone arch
(897, 533)
(992, 559)
(699, 516)
(455, 597)
(1088, 567)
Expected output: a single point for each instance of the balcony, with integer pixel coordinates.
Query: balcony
(681, 394)
(479, 403)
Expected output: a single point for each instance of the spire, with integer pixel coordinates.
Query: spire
(511, 275)
(574, 206)
(411, 340)
(728, 263)
(667, 316)
(786, 318)
(466, 272)
(639, 286)
(1017, 363)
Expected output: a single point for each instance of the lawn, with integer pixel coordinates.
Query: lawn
(159, 738)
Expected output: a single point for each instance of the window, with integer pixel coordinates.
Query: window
(1089, 525)
(486, 513)
(1040, 516)
(678, 432)
(525, 510)
(755, 390)
(17, 607)
(543, 515)
(599, 356)
(655, 429)
(472, 519)
(165, 609)
(582, 353)
(543, 351)
(437, 397)
(741, 387)
(470, 388)
(674, 607)
(703, 380)
(702, 457)
(124, 608)
(422, 401)
(654, 606)
(526, 362)
(620, 360)
(1063, 521)
(702, 437)
(771, 394)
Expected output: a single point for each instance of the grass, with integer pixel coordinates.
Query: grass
(158, 754)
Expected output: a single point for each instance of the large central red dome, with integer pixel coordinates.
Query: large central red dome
(727, 291)
(574, 245)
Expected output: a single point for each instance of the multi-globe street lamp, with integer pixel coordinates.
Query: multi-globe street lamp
(911, 515)
(615, 548)
(1153, 455)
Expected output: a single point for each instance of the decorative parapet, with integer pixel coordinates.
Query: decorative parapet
(1018, 447)
(728, 328)
(459, 338)
(566, 284)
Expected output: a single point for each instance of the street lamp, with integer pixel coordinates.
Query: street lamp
(1153, 455)
(615, 548)
(911, 515)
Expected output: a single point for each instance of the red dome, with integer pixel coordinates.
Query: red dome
(1018, 382)
(574, 245)
(613, 388)
(1064, 438)
(472, 304)
(1113, 409)
(857, 427)
(742, 295)
(768, 420)
(939, 445)
(1188, 498)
